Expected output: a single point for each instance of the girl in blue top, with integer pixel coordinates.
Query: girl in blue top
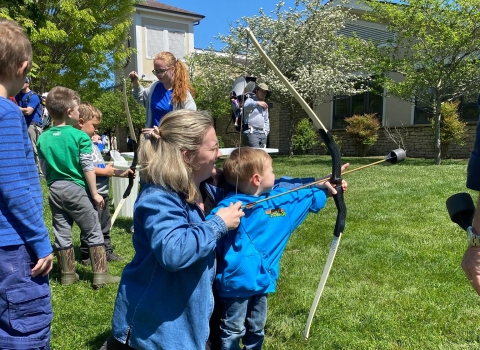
(172, 91)
(165, 299)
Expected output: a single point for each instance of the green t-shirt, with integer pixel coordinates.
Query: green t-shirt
(61, 147)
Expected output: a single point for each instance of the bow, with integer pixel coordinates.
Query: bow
(335, 178)
(133, 166)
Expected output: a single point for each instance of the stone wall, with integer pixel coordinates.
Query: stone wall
(418, 140)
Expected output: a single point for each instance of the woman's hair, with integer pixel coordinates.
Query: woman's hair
(59, 99)
(181, 82)
(87, 112)
(161, 155)
(15, 48)
(242, 163)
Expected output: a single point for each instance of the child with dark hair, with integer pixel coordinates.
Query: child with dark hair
(66, 157)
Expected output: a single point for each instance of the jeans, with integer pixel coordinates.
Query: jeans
(25, 306)
(243, 318)
(256, 140)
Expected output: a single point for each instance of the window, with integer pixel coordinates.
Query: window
(467, 110)
(158, 40)
(363, 103)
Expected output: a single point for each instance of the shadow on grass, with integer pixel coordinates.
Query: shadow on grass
(99, 340)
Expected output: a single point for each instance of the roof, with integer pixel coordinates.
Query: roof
(155, 5)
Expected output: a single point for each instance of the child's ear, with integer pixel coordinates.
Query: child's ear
(22, 70)
(81, 122)
(255, 179)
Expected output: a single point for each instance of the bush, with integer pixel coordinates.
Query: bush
(452, 130)
(305, 137)
(363, 129)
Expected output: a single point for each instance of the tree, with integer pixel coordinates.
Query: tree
(436, 48)
(211, 75)
(303, 43)
(76, 43)
(111, 105)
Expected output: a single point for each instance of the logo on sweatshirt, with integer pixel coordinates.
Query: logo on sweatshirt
(276, 212)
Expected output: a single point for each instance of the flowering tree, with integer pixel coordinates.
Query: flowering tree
(436, 48)
(304, 44)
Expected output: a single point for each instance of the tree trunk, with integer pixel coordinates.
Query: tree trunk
(437, 115)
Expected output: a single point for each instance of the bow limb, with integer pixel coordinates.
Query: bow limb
(336, 178)
(133, 166)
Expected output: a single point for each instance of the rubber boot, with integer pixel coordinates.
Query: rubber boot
(66, 260)
(98, 257)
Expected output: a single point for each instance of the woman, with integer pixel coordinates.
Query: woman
(164, 300)
(172, 91)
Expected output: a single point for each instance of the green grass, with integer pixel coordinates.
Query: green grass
(396, 282)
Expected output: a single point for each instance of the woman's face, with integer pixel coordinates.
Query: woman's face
(164, 73)
(206, 157)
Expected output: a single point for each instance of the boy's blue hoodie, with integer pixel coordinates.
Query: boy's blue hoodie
(249, 256)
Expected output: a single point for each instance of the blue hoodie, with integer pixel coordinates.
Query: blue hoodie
(249, 256)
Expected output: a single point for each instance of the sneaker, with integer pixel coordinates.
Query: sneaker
(111, 256)
(85, 262)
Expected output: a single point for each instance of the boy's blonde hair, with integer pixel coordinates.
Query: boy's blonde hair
(15, 48)
(59, 99)
(161, 156)
(88, 112)
(243, 163)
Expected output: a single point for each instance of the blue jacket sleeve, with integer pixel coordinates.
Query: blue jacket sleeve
(178, 237)
(21, 202)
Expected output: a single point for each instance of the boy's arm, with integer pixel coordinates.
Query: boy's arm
(92, 185)
(86, 160)
(110, 171)
(20, 194)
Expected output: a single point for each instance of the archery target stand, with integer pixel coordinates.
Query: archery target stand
(119, 185)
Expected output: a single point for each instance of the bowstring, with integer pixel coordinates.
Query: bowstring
(243, 109)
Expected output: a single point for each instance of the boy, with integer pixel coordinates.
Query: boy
(65, 154)
(90, 119)
(249, 257)
(25, 250)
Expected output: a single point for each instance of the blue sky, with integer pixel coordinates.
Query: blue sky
(219, 13)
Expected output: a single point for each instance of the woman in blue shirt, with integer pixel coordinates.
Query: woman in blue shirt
(172, 91)
(165, 298)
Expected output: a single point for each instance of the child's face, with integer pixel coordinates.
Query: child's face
(267, 178)
(89, 126)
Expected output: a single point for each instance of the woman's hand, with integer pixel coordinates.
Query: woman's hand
(231, 215)
(134, 78)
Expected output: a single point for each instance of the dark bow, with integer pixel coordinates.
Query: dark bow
(335, 179)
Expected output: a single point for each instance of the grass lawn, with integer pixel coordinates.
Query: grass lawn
(396, 282)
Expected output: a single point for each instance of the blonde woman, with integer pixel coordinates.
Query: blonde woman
(165, 299)
(172, 91)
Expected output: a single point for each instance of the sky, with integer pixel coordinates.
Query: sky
(219, 13)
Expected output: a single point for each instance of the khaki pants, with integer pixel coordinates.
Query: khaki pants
(34, 132)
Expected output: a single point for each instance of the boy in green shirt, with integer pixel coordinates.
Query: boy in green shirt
(65, 155)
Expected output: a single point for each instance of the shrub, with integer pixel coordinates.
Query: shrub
(363, 129)
(452, 129)
(305, 137)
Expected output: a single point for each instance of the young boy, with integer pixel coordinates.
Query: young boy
(90, 119)
(65, 154)
(25, 250)
(249, 257)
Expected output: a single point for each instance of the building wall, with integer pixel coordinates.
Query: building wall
(418, 140)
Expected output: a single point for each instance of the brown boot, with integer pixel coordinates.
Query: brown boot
(66, 260)
(101, 276)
